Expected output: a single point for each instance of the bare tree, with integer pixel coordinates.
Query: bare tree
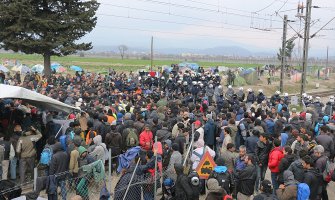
(122, 48)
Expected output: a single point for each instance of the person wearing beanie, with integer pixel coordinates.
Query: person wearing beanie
(221, 174)
(176, 158)
(266, 191)
(216, 192)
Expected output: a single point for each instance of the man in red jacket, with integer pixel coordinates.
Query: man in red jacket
(146, 139)
(275, 157)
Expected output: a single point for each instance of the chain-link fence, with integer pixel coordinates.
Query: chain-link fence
(92, 181)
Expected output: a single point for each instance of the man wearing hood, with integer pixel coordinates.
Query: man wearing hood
(215, 190)
(59, 164)
(176, 157)
(99, 150)
(297, 168)
(312, 177)
(210, 131)
(221, 174)
(288, 190)
(183, 189)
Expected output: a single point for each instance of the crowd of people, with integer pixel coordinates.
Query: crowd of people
(246, 133)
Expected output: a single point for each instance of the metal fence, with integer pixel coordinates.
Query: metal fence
(129, 184)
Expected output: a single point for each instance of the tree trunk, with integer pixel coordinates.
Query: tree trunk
(47, 68)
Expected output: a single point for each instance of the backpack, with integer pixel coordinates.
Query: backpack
(303, 191)
(227, 197)
(328, 172)
(132, 139)
(243, 128)
(223, 179)
(63, 142)
(317, 129)
(2, 153)
(46, 156)
(270, 197)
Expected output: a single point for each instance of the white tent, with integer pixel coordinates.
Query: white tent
(3, 68)
(34, 98)
(23, 69)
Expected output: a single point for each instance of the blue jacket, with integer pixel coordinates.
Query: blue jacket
(209, 135)
(270, 125)
(126, 158)
(284, 138)
(251, 144)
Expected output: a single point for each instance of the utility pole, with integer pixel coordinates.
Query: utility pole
(152, 52)
(306, 46)
(326, 71)
(283, 55)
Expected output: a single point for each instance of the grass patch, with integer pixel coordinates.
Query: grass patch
(104, 63)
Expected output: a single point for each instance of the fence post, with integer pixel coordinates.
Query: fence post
(155, 179)
(35, 177)
(131, 179)
(110, 169)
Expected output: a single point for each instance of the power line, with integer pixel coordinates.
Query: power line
(177, 15)
(266, 6)
(322, 27)
(205, 9)
(172, 22)
(176, 33)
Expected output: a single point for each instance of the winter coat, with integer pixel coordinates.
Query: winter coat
(246, 180)
(146, 137)
(290, 190)
(313, 178)
(270, 126)
(209, 134)
(59, 161)
(289, 193)
(262, 152)
(216, 195)
(284, 165)
(98, 152)
(321, 163)
(222, 175)
(180, 140)
(251, 144)
(25, 144)
(265, 196)
(113, 140)
(183, 189)
(327, 142)
(176, 157)
(275, 157)
(233, 129)
(228, 158)
(298, 170)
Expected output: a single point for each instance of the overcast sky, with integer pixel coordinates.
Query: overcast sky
(207, 23)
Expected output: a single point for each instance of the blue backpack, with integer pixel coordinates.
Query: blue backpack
(63, 141)
(46, 156)
(303, 191)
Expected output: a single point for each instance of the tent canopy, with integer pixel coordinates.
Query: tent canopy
(4, 69)
(34, 98)
(23, 69)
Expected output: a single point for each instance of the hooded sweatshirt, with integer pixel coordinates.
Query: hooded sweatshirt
(99, 151)
(290, 191)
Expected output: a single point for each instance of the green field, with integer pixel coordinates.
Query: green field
(103, 63)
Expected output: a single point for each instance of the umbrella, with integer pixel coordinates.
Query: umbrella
(23, 69)
(3, 68)
(38, 68)
(76, 68)
(61, 69)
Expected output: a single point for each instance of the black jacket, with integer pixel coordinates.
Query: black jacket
(183, 189)
(59, 161)
(262, 152)
(313, 178)
(246, 179)
(251, 144)
(298, 170)
(284, 165)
